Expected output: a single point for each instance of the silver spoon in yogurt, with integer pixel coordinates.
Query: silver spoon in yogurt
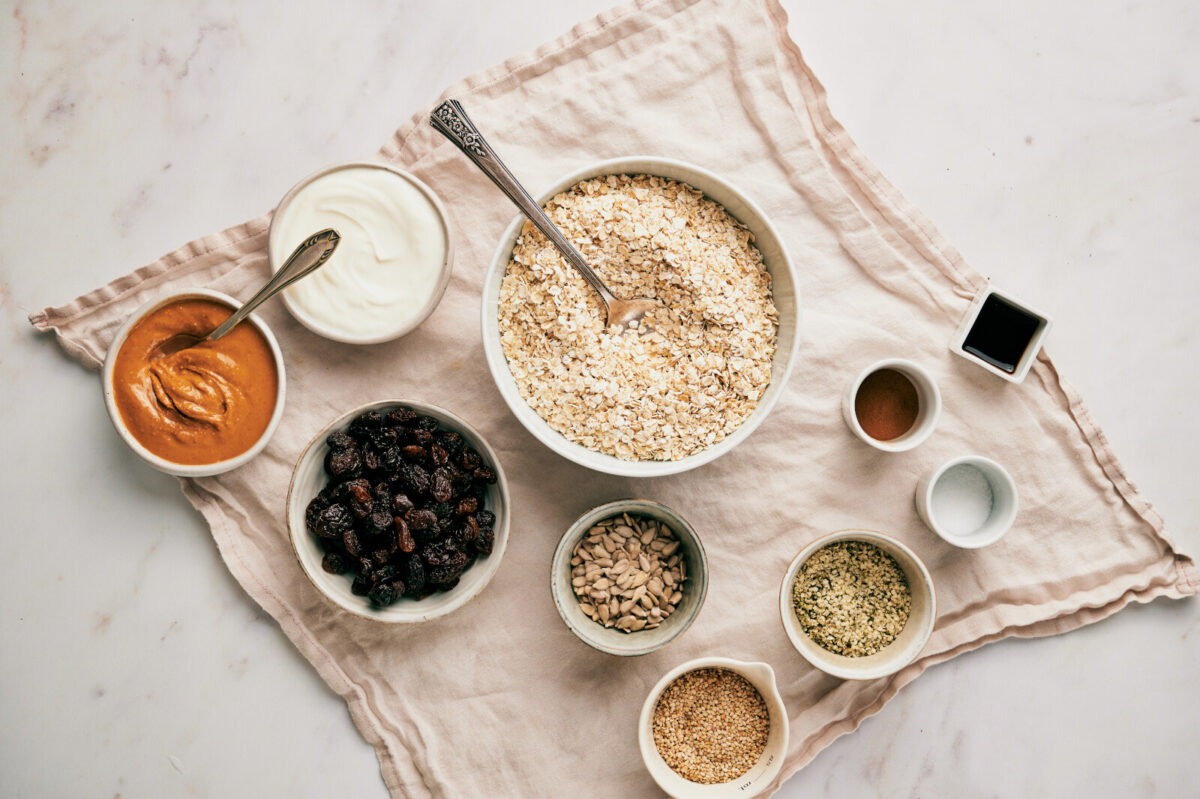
(450, 120)
(310, 256)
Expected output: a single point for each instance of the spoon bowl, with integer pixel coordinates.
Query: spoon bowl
(450, 120)
(307, 258)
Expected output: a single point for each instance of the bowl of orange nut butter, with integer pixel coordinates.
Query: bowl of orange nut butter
(202, 410)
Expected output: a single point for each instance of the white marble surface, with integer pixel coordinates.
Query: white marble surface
(1057, 145)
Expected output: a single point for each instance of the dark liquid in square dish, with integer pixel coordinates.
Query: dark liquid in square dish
(1001, 334)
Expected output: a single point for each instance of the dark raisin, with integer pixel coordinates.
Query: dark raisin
(422, 437)
(450, 441)
(462, 480)
(382, 595)
(382, 457)
(469, 460)
(370, 460)
(384, 574)
(485, 518)
(419, 520)
(414, 576)
(351, 542)
(471, 528)
(334, 521)
(466, 506)
(339, 439)
(381, 556)
(401, 416)
(440, 487)
(380, 520)
(360, 586)
(413, 479)
(334, 563)
(362, 426)
(427, 423)
(345, 462)
(427, 535)
(399, 587)
(313, 512)
(384, 437)
(401, 503)
(437, 554)
(366, 565)
(404, 539)
(443, 510)
(438, 456)
(443, 578)
(446, 574)
(482, 545)
(484, 474)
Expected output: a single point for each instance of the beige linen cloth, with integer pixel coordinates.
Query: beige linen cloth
(499, 698)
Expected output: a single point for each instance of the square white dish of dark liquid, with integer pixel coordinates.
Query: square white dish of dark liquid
(1001, 334)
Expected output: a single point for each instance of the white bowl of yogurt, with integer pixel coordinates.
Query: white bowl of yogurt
(392, 264)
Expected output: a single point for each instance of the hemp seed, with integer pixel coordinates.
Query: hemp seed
(851, 598)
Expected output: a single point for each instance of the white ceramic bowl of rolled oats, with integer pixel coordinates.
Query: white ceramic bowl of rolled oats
(720, 349)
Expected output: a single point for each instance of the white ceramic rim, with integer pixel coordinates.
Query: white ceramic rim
(560, 587)
(498, 364)
(994, 473)
(1031, 350)
(390, 615)
(275, 256)
(928, 414)
(158, 462)
(760, 775)
(888, 666)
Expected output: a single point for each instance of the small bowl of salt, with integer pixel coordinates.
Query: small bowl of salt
(969, 502)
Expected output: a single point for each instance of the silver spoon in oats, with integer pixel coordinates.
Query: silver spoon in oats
(452, 121)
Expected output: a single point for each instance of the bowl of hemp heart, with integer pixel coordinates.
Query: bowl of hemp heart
(857, 604)
(714, 728)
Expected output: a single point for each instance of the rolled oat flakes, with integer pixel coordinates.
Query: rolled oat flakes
(666, 394)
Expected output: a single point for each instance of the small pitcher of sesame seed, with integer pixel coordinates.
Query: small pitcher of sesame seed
(714, 727)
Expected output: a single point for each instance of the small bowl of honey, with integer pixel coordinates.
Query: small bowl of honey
(893, 405)
(203, 410)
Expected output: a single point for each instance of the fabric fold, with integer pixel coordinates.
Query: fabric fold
(498, 699)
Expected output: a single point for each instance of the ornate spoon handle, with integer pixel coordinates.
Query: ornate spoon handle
(452, 121)
(307, 258)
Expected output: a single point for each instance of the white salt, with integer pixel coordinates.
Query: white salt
(961, 501)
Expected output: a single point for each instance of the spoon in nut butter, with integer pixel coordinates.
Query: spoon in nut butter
(306, 259)
(450, 120)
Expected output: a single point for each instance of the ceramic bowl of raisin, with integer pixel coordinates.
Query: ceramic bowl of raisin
(398, 512)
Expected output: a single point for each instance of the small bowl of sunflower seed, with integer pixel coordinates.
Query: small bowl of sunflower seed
(629, 577)
(857, 604)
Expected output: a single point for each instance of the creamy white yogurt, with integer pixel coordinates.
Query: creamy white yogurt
(387, 272)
